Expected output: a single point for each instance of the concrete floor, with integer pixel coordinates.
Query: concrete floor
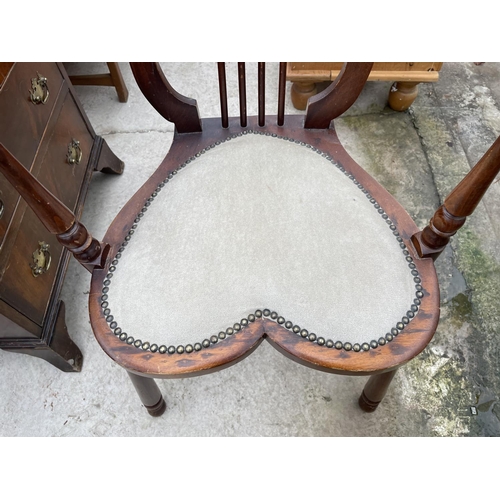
(418, 155)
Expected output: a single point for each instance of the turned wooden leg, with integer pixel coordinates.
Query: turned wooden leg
(150, 395)
(300, 93)
(375, 390)
(402, 95)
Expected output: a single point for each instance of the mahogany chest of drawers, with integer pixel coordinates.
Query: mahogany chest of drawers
(44, 126)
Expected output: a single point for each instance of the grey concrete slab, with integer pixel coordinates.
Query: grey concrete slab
(418, 155)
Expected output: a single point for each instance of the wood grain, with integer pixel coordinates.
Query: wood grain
(458, 205)
(338, 97)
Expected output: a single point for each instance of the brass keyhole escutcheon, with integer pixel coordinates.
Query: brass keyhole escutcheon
(74, 156)
(41, 259)
(39, 92)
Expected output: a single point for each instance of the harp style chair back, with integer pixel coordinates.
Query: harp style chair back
(260, 228)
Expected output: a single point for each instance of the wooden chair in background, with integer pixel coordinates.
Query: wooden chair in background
(112, 79)
(260, 228)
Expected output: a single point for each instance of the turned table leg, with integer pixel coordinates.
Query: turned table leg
(300, 93)
(150, 395)
(402, 95)
(375, 390)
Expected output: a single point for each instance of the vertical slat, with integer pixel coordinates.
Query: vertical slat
(281, 94)
(243, 94)
(221, 67)
(262, 94)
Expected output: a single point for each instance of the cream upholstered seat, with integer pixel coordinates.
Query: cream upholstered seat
(261, 225)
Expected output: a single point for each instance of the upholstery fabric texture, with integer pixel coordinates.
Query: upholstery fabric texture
(260, 222)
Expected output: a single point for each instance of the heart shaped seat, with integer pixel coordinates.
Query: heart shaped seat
(261, 226)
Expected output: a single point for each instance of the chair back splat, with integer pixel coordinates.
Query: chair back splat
(263, 214)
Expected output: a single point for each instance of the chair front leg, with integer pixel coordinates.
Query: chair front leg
(375, 390)
(150, 395)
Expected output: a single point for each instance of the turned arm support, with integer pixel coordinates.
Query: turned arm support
(459, 204)
(53, 214)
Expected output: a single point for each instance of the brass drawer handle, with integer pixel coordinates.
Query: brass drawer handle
(39, 92)
(41, 259)
(2, 208)
(74, 156)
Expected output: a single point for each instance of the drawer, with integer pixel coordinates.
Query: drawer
(18, 287)
(60, 175)
(22, 122)
(8, 201)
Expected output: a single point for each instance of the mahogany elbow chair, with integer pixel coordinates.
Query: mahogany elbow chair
(261, 227)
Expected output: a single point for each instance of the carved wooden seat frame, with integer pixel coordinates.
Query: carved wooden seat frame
(192, 136)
